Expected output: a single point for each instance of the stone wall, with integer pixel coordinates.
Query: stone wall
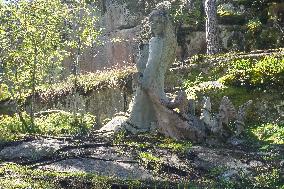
(103, 104)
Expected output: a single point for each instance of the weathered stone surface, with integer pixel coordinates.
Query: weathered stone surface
(116, 49)
(152, 65)
(110, 153)
(122, 47)
(101, 167)
(153, 109)
(195, 43)
(162, 50)
(232, 39)
(115, 124)
(32, 150)
(118, 16)
(144, 157)
(230, 175)
(208, 158)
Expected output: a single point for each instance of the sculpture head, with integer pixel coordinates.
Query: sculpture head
(158, 22)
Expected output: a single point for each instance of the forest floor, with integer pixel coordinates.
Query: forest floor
(144, 161)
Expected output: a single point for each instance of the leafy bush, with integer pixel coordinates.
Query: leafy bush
(254, 25)
(193, 16)
(87, 82)
(273, 133)
(268, 71)
(227, 10)
(4, 94)
(60, 123)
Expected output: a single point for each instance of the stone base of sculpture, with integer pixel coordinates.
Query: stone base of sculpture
(183, 125)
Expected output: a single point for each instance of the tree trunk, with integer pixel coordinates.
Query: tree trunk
(212, 40)
(75, 74)
(33, 88)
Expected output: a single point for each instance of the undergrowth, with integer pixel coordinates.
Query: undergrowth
(269, 133)
(22, 177)
(60, 123)
(252, 73)
(84, 84)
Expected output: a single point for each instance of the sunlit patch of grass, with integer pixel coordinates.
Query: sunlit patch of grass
(269, 132)
(14, 176)
(148, 157)
(22, 177)
(116, 77)
(267, 179)
(176, 146)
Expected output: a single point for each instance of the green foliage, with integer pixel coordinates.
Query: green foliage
(61, 123)
(269, 132)
(22, 177)
(266, 177)
(119, 137)
(148, 157)
(254, 25)
(4, 93)
(257, 8)
(35, 37)
(223, 10)
(229, 14)
(193, 16)
(30, 38)
(115, 78)
(109, 78)
(268, 71)
(176, 146)
(270, 38)
(150, 161)
(258, 78)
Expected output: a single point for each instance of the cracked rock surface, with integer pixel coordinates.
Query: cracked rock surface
(138, 157)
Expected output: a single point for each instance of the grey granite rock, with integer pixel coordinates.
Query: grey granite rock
(115, 169)
(33, 150)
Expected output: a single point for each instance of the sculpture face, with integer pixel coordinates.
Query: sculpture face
(157, 24)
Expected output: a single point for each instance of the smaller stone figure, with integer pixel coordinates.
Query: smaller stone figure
(240, 117)
(207, 116)
(180, 102)
(219, 124)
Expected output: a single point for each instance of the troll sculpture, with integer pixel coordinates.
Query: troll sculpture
(153, 110)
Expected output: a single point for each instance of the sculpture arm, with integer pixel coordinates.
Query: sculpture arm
(152, 67)
(143, 57)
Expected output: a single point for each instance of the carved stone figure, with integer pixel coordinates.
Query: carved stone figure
(142, 116)
(152, 109)
(152, 65)
(240, 117)
(219, 124)
(154, 61)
